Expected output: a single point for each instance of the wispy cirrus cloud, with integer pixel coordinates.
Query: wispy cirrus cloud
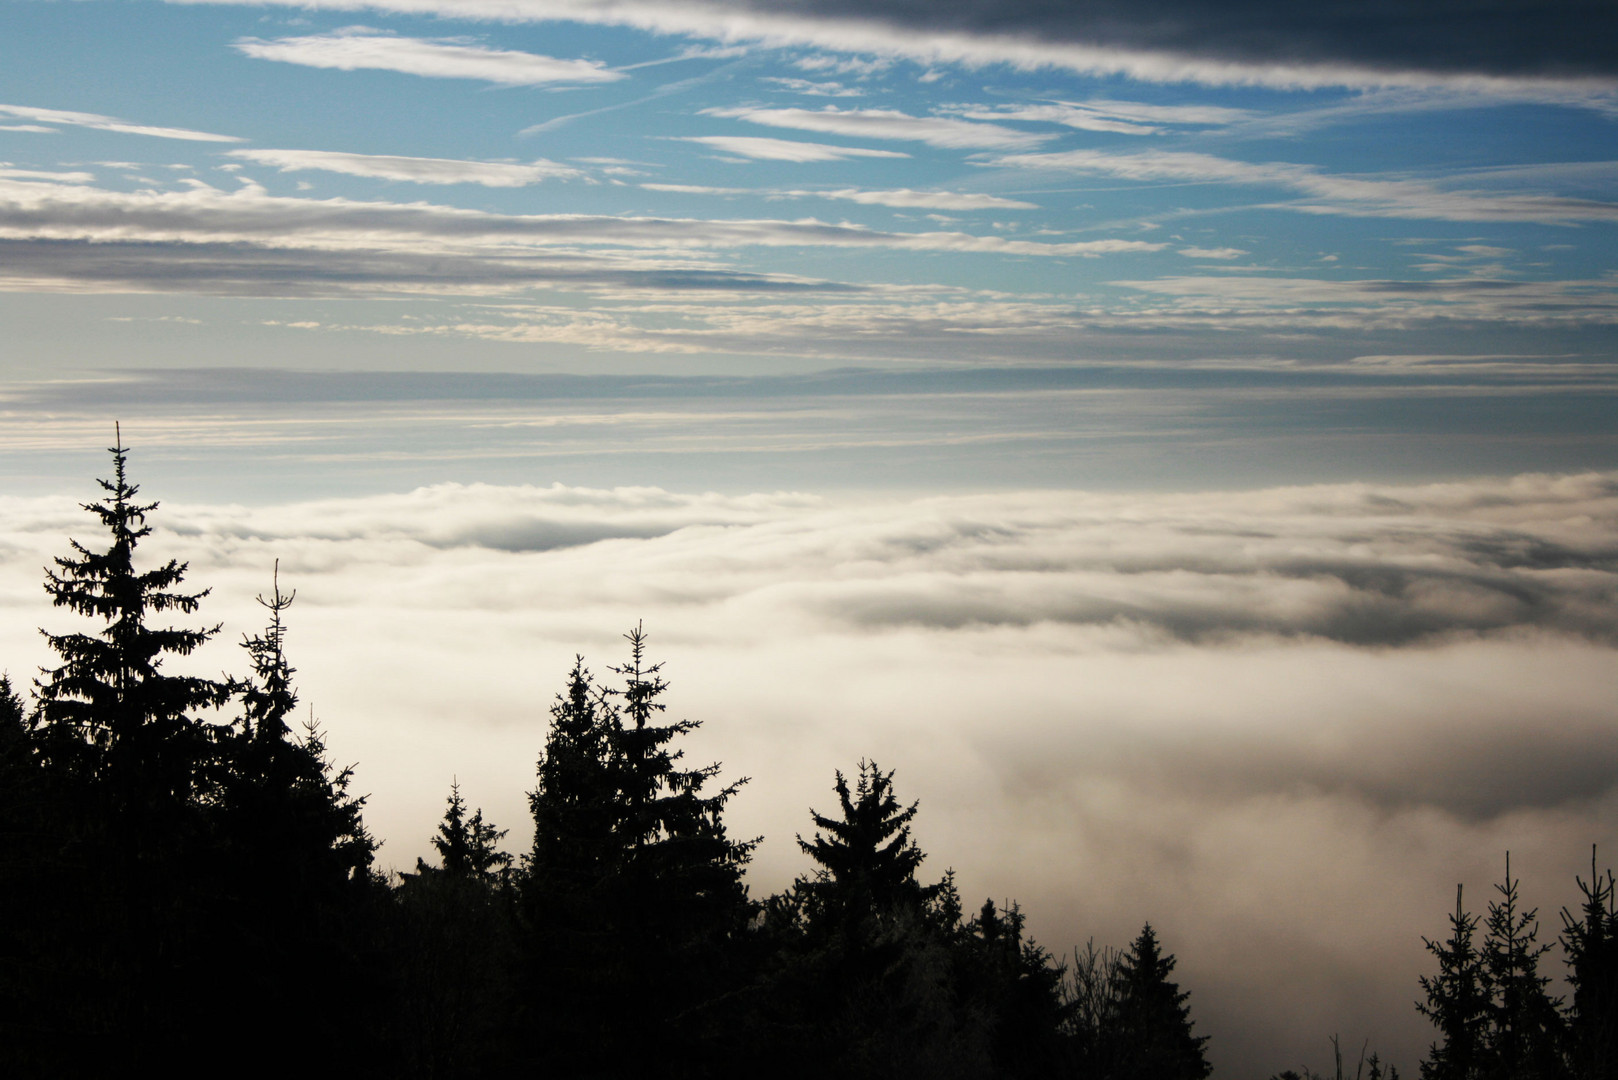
(359, 48)
(61, 235)
(899, 198)
(765, 149)
(940, 131)
(64, 118)
(1327, 193)
(415, 170)
(813, 88)
(1119, 117)
(1213, 253)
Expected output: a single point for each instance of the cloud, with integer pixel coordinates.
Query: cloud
(1519, 48)
(811, 88)
(1240, 714)
(9, 173)
(902, 198)
(80, 236)
(905, 198)
(102, 123)
(784, 149)
(415, 170)
(936, 131)
(358, 48)
(1120, 117)
(1213, 253)
(1325, 193)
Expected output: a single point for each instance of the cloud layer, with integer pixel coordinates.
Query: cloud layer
(414, 170)
(360, 48)
(1519, 46)
(1280, 724)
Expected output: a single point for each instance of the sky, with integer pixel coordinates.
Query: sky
(1178, 437)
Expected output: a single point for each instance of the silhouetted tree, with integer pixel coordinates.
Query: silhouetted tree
(867, 860)
(875, 974)
(467, 846)
(1154, 1022)
(1524, 1034)
(1458, 1002)
(454, 952)
(633, 890)
(110, 713)
(1590, 942)
(133, 770)
(1019, 987)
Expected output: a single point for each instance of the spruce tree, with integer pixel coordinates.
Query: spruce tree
(453, 952)
(633, 894)
(1525, 1025)
(110, 714)
(296, 859)
(679, 899)
(134, 766)
(1590, 942)
(571, 960)
(1458, 1002)
(467, 846)
(1154, 1021)
(867, 859)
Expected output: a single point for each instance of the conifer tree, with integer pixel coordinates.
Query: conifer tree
(453, 951)
(1154, 1021)
(1458, 1002)
(110, 713)
(467, 846)
(633, 891)
(134, 768)
(679, 899)
(1525, 1026)
(1590, 942)
(867, 860)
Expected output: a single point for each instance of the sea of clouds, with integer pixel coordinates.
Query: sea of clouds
(1280, 724)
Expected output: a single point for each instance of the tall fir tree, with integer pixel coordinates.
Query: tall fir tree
(633, 895)
(110, 713)
(1590, 943)
(134, 764)
(1458, 1002)
(1525, 1024)
(454, 952)
(570, 956)
(866, 858)
(295, 855)
(1154, 1019)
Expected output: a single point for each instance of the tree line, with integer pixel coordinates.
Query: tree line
(188, 882)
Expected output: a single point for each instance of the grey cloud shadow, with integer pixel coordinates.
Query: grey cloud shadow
(250, 270)
(1513, 37)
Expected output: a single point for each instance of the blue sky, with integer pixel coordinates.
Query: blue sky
(1177, 436)
(683, 189)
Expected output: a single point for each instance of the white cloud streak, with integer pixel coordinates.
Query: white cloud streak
(97, 122)
(939, 131)
(1324, 193)
(899, 198)
(763, 149)
(415, 170)
(359, 48)
(89, 237)
(1118, 117)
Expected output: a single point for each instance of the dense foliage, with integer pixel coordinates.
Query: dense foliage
(188, 880)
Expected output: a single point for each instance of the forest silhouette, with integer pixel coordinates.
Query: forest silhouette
(188, 883)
